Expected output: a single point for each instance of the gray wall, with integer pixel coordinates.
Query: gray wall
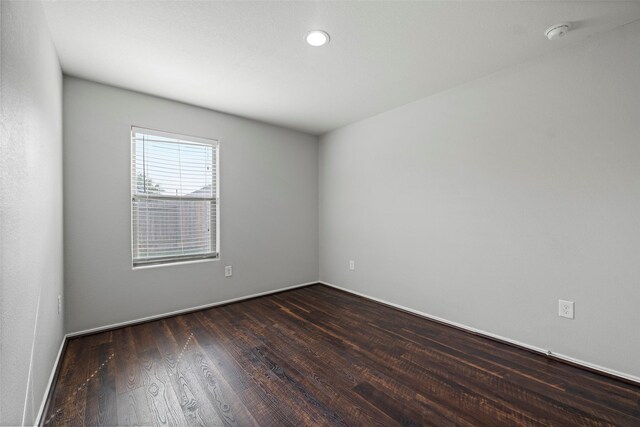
(487, 203)
(269, 208)
(30, 210)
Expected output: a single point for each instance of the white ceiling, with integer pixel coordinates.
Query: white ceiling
(250, 58)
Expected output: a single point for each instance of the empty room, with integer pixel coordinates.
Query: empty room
(307, 213)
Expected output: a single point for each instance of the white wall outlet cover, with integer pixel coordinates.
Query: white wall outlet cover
(228, 271)
(352, 265)
(59, 304)
(566, 309)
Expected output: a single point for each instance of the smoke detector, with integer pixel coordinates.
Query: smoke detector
(556, 31)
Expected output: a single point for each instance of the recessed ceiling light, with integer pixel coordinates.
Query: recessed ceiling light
(317, 38)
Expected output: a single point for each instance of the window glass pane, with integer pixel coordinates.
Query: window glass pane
(172, 227)
(168, 167)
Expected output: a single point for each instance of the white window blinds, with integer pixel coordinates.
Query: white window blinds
(174, 197)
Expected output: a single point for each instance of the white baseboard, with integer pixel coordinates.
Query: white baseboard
(183, 311)
(47, 390)
(547, 352)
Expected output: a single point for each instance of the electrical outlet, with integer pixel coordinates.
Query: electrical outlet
(59, 304)
(352, 265)
(228, 271)
(565, 309)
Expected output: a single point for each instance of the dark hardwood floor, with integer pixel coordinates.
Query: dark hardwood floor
(319, 356)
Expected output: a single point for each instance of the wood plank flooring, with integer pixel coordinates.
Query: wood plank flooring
(319, 356)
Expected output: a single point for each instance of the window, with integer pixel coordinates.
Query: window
(174, 197)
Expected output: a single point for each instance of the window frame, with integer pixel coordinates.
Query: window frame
(215, 217)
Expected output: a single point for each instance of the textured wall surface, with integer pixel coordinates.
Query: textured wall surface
(30, 210)
(268, 202)
(487, 203)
